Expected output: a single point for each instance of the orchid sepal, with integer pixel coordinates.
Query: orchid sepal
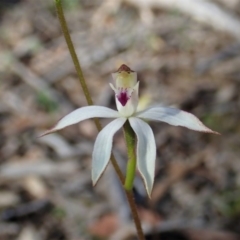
(81, 114)
(146, 152)
(175, 117)
(103, 147)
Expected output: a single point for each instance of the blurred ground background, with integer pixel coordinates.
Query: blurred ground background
(187, 55)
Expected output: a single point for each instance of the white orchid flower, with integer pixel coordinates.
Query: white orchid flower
(126, 96)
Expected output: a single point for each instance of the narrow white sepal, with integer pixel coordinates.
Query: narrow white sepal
(146, 151)
(81, 114)
(174, 117)
(102, 148)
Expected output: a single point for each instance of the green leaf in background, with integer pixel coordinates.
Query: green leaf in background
(45, 102)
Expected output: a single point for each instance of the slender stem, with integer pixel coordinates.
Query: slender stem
(131, 165)
(72, 51)
(134, 211)
(77, 65)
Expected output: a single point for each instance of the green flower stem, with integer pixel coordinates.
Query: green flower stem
(131, 165)
(77, 65)
(130, 138)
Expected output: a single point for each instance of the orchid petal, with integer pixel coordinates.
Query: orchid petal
(174, 117)
(81, 114)
(146, 151)
(103, 146)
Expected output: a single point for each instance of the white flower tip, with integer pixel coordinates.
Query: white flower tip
(149, 192)
(96, 177)
(46, 133)
(211, 131)
(147, 187)
(203, 128)
(55, 128)
(94, 182)
(195, 124)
